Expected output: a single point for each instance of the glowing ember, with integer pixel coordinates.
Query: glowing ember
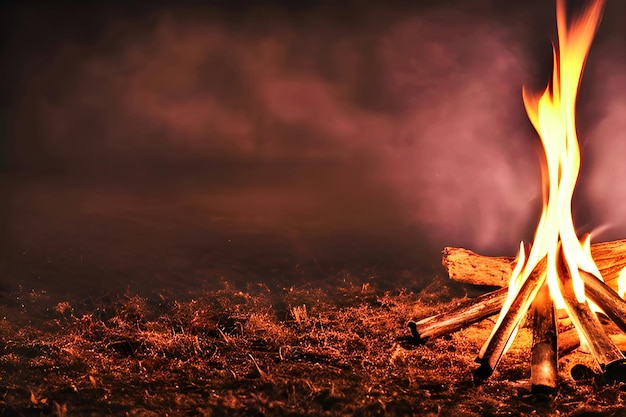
(552, 113)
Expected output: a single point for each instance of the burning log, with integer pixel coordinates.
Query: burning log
(543, 367)
(608, 356)
(461, 262)
(607, 299)
(458, 317)
(549, 272)
(472, 311)
(507, 326)
(468, 267)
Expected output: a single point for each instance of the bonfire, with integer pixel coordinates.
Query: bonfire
(558, 276)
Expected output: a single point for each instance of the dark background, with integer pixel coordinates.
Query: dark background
(158, 145)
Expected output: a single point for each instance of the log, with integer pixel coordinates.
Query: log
(468, 267)
(507, 326)
(468, 312)
(543, 364)
(463, 265)
(600, 346)
(610, 359)
(568, 341)
(606, 298)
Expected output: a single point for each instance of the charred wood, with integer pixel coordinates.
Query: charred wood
(543, 368)
(608, 356)
(506, 328)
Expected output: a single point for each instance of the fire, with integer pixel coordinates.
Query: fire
(552, 113)
(621, 283)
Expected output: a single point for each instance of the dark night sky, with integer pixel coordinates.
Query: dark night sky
(159, 142)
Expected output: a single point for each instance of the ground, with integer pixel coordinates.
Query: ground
(338, 346)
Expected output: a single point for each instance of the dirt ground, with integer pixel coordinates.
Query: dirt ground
(336, 347)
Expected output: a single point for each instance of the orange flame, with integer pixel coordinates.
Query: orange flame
(552, 113)
(621, 283)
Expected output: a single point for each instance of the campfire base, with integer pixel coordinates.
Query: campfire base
(610, 361)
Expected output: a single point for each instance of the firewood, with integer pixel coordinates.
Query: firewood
(468, 267)
(543, 364)
(468, 312)
(608, 356)
(506, 328)
(600, 293)
(568, 341)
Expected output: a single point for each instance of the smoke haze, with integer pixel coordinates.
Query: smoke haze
(170, 142)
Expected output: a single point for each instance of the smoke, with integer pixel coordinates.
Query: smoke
(462, 158)
(425, 113)
(181, 123)
(605, 189)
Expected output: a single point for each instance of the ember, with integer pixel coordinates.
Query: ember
(559, 271)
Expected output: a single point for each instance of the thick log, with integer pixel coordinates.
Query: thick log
(543, 364)
(463, 265)
(568, 341)
(458, 317)
(466, 266)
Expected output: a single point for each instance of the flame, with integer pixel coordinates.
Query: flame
(621, 283)
(552, 113)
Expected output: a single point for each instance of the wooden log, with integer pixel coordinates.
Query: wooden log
(608, 356)
(503, 334)
(463, 265)
(543, 364)
(568, 341)
(468, 312)
(606, 298)
(466, 266)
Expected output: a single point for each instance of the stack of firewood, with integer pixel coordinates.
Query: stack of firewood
(468, 267)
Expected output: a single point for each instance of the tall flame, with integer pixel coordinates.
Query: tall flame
(552, 113)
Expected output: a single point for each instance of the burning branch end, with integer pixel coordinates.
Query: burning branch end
(506, 329)
(543, 368)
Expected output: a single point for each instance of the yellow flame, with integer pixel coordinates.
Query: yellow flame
(552, 113)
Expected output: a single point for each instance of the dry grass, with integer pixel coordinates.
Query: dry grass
(334, 349)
